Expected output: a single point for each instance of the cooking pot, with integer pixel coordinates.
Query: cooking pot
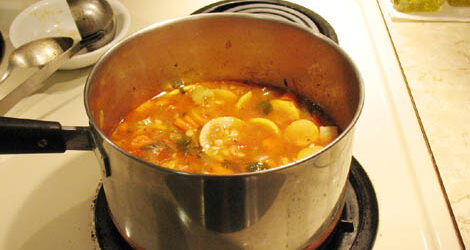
(287, 207)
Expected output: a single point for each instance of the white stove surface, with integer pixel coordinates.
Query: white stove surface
(46, 198)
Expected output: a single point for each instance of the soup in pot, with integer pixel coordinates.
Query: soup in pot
(224, 127)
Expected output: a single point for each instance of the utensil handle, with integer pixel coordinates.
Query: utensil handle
(34, 83)
(6, 73)
(19, 136)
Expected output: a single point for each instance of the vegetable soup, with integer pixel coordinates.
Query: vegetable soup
(224, 127)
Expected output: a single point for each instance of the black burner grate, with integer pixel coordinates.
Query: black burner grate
(104, 233)
(357, 227)
(275, 9)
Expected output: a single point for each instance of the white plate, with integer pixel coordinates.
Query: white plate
(50, 18)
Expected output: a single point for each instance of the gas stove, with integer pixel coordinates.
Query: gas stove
(52, 202)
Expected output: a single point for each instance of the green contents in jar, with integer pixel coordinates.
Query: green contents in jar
(417, 5)
(459, 3)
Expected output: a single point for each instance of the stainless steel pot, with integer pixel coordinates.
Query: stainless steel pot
(288, 207)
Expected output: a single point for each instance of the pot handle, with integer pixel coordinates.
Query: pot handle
(19, 136)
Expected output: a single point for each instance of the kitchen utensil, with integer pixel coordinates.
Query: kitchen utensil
(93, 17)
(37, 53)
(290, 206)
(52, 18)
(95, 22)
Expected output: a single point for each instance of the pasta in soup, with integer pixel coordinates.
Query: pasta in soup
(224, 127)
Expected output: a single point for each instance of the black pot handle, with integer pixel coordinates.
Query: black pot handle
(20, 136)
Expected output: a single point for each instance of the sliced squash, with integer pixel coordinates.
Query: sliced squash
(265, 124)
(225, 95)
(244, 100)
(284, 110)
(301, 132)
(144, 109)
(219, 138)
(310, 150)
(201, 95)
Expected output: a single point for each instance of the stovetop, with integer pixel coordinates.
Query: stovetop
(48, 197)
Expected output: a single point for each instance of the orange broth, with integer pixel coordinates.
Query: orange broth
(223, 127)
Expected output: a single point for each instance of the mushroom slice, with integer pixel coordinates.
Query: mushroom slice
(220, 138)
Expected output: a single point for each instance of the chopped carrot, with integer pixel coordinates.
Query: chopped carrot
(189, 120)
(289, 96)
(182, 124)
(316, 120)
(123, 127)
(319, 120)
(140, 140)
(218, 169)
(197, 117)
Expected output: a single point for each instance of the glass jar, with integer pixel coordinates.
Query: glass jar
(417, 5)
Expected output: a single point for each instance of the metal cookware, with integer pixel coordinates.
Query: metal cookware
(288, 207)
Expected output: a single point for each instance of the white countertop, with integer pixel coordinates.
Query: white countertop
(434, 56)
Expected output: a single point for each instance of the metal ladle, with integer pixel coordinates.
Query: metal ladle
(96, 24)
(37, 53)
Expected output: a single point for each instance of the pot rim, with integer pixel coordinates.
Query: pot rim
(155, 26)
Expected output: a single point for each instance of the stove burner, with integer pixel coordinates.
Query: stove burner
(357, 226)
(103, 232)
(275, 9)
(356, 229)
